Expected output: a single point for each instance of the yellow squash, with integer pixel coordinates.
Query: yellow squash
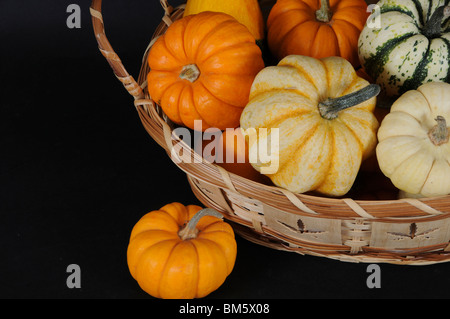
(247, 12)
(323, 113)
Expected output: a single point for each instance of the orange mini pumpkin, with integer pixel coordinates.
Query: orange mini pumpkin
(232, 155)
(316, 28)
(202, 68)
(181, 252)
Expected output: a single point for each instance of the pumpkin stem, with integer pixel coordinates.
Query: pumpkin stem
(439, 134)
(190, 231)
(330, 108)
(190, 72)
(324, 14)
(433, 28)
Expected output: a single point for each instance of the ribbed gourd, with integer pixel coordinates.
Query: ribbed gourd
(323, 113)
(406, 43)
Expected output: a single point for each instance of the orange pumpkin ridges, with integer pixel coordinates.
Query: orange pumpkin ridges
(181, 252)
(232, 155)
(317, 28)
(202, 68)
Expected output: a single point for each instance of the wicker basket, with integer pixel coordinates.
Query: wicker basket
(398, 231)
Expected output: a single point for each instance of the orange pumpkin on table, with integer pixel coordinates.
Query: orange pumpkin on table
(181, 252)
(202, 68)
(316, 28)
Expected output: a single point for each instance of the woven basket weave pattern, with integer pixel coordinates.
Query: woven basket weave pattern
(403, 231)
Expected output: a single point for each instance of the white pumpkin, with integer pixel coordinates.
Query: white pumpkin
(414, 148)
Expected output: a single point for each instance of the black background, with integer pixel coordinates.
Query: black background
(77, 171)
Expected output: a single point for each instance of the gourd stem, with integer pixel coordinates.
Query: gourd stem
(330, 108)
(439, 134)
(324, 14)
(433, 28)
(190, 72)
(190, 231)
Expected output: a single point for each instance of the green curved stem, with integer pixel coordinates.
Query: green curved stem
(330, 108)
(190, 230)
(433, 27)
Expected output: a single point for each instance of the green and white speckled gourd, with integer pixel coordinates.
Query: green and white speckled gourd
(411, 46)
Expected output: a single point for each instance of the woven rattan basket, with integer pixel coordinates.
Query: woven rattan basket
(397, 231)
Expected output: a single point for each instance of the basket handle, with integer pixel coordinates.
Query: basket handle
(106, 49)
